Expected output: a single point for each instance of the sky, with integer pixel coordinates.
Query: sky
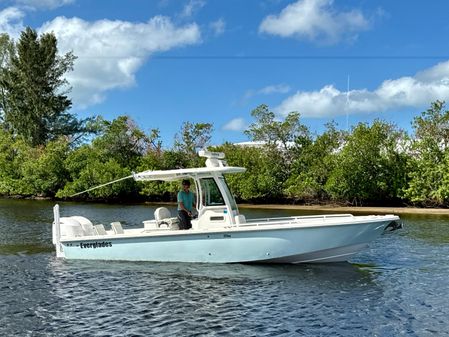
(165, 62)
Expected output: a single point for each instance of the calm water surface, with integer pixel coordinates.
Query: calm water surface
(398, 287)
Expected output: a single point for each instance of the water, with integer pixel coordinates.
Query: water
(398, 287)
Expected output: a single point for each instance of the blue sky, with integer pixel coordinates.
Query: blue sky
(164, 62)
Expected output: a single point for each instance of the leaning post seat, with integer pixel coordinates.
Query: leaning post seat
(164, 219)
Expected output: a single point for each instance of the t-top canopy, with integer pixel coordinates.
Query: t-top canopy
(170, 175)
(214, 166)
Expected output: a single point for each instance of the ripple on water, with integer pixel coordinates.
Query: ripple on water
(398, 287)
(53, 297)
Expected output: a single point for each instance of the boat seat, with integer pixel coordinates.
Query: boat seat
(163, 218)
(99, 230)
(117, 228)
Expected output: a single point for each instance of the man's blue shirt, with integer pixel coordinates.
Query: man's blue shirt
(187, 199)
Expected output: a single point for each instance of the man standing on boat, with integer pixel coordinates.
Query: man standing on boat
(186, 204)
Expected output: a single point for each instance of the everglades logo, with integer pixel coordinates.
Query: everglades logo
(102, 244)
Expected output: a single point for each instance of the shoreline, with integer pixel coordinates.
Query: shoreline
(308, 208)
(352, 209)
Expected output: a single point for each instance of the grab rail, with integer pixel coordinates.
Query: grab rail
(289, 220)
(308, 217)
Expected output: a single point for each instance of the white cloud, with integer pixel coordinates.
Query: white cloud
(11, 21)
(416, 92)
(315, 20)
(111, 52)
(274, 89)
(191, 7)
(268, 90)
(44, 4)
(218, 27)
(236, 124)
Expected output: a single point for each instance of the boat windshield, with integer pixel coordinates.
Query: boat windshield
(228, 193)
(210, 193)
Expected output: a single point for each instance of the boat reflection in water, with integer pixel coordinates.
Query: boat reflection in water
(219, 234)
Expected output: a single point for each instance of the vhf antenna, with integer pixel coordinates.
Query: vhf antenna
(347, 107)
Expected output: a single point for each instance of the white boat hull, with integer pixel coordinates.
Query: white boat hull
(220, 233)
(297, 243)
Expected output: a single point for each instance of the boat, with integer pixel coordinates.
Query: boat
(219, 233)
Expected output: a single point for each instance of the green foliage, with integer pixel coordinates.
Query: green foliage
(282, 141)
(276, 134)
(42, 152)
(370, 166)
(162, 160)
(95, 173)
(432, 129)
(264, 176)
(6, 50)
(13, 153)
(35, 90)
(193, 137)
(429, 167)
(314, 161)
(45, 174)
(31, 171)
(122, 140)
(114, 154)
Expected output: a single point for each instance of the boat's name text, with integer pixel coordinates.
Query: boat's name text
(102, 244)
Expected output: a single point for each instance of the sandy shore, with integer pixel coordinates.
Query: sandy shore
(345, 209)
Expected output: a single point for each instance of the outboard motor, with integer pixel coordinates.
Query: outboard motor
(70, 227)
(76, 226)
(394, 225)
